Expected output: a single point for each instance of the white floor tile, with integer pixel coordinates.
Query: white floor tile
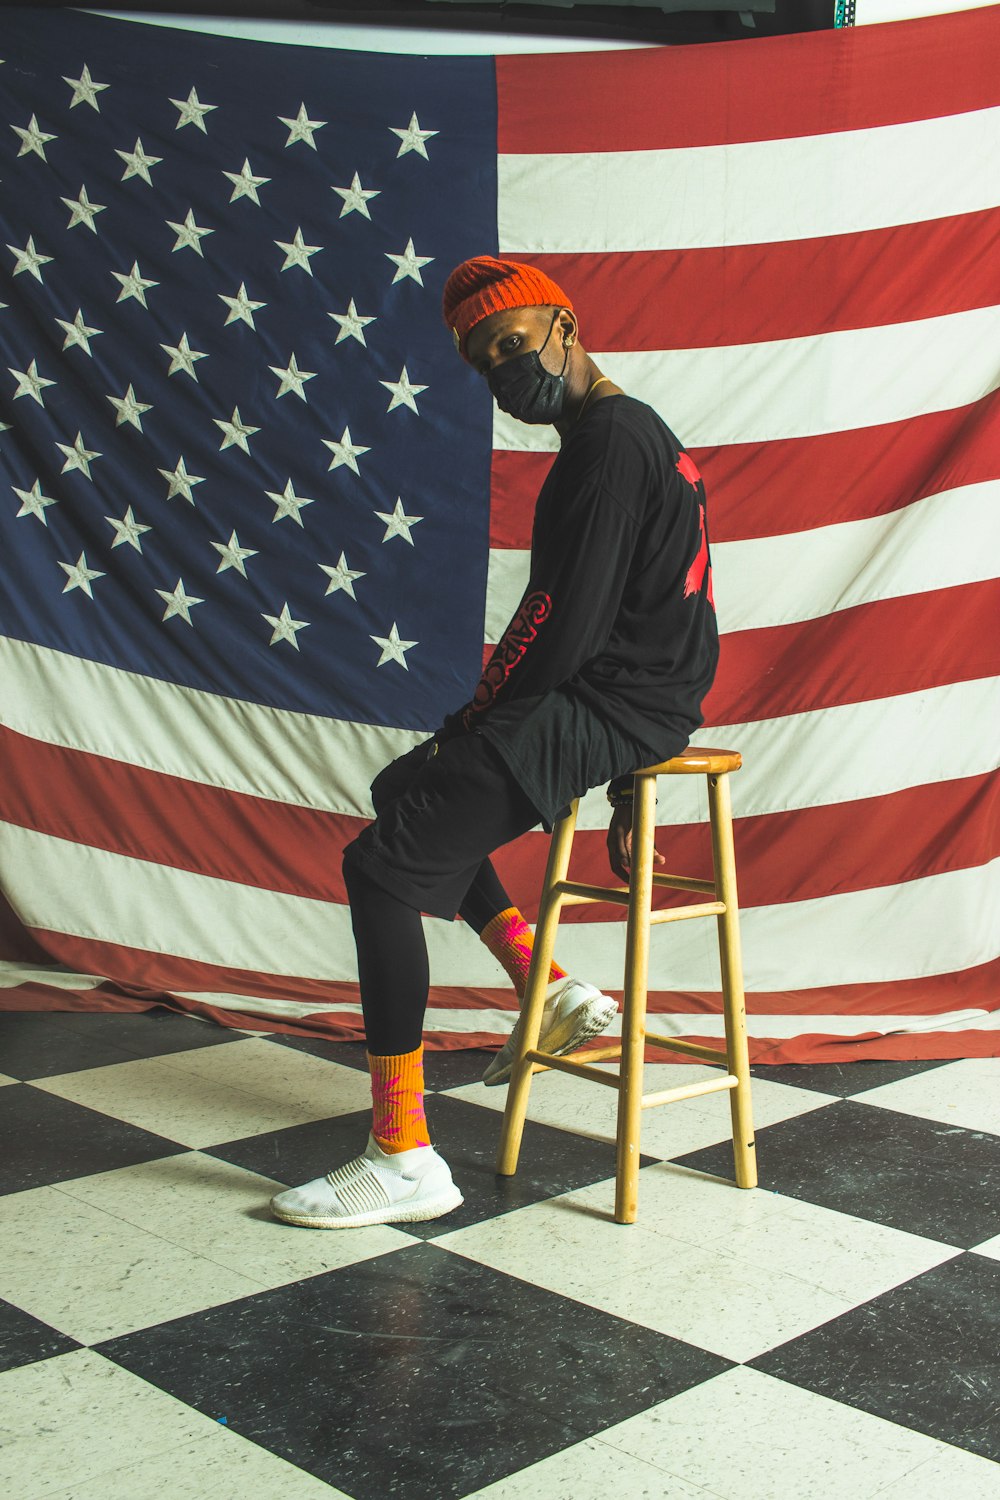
(220, 1212)
(71, 1419)
(952, 1475)
(214, 1094)
(4, 1079)
(221, 1466)
(688, 1125)
(965, 1093)
(746, 1436)
(989, 1247)
(592, 1471)
(93, 1276)
(659, 1280)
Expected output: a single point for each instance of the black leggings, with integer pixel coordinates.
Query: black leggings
(466, 800)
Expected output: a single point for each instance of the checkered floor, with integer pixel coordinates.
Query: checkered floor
(831, 1334)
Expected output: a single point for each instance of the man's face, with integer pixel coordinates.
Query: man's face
(517, 330)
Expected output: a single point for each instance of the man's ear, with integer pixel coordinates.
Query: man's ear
(568, 328)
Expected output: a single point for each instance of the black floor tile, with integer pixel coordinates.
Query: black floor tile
(23, 1340)
(416, 1374)
(53, 1140)
(467, 1135)
(926, 1178)
(843, 1079)
(923, 1355)
(36, 1044)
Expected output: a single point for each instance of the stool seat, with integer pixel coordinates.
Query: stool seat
(732, 1060)
(696, 761)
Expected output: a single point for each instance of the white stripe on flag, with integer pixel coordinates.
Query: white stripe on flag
(801, 387)
(934, 925)
(842, 183)
(244, 747)
(944, 541)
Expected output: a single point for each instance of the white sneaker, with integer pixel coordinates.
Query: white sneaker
(574, 1012)
(376, 1188)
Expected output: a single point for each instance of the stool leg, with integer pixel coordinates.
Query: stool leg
(730, 956)
(634, 1005)
(533, 1004)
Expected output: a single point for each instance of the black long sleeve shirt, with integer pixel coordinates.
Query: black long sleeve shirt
(617, 618)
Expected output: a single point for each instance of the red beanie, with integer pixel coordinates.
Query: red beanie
(483, 285)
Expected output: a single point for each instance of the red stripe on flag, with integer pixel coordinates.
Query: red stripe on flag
(799, 855)
(760, 293)
(745, 91)
(870, 842)
(838, 476)
(856, 655)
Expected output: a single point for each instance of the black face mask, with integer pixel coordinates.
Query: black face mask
(525, 389)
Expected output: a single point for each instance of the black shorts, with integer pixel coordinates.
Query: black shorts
(439, 814)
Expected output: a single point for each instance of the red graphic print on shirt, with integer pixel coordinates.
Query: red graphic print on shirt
(701, 565)
(687, 469)
(521, 631)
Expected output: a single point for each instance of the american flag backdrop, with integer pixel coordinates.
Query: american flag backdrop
(258, 520)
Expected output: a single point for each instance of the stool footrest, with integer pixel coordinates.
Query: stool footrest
(684, 913)
(684, 883)
(566, 1065)
(691, 1049)
(690, 1091)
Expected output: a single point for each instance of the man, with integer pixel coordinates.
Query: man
(602, 669)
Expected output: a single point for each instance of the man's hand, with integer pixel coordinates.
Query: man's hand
(620, 844)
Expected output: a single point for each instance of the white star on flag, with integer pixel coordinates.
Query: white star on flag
(29, 259)
(412, 138)
(292, 379)
(408, 264)
(284, 627)
(78, 456)
(356, 198)
(245, 184)
(301, 128)
(82, 211)
(85, 90)
(137, 163)
(129, 409)
(241, 307)
(297, 252)
(341, 577)
(403, 392)
(33, 502)
(398, 523)
(287, 503)
(127, 531)
(345, 452)
(178, 602)
(189, 235)
(235, 432)
(30, 383)
(79, 576)
(33, 138)
(180, 482)
(232, 555)
(78, 333)
(192, 111)
(133, 285)
(352, 324)
(182, 357)
(393, 649)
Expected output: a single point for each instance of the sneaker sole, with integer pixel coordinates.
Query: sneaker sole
(399, 1213)
(566, 1037)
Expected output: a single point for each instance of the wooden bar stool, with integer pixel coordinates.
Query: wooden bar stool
(716, 766)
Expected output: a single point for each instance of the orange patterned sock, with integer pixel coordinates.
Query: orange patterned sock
(398, 1122)
(509, 939)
